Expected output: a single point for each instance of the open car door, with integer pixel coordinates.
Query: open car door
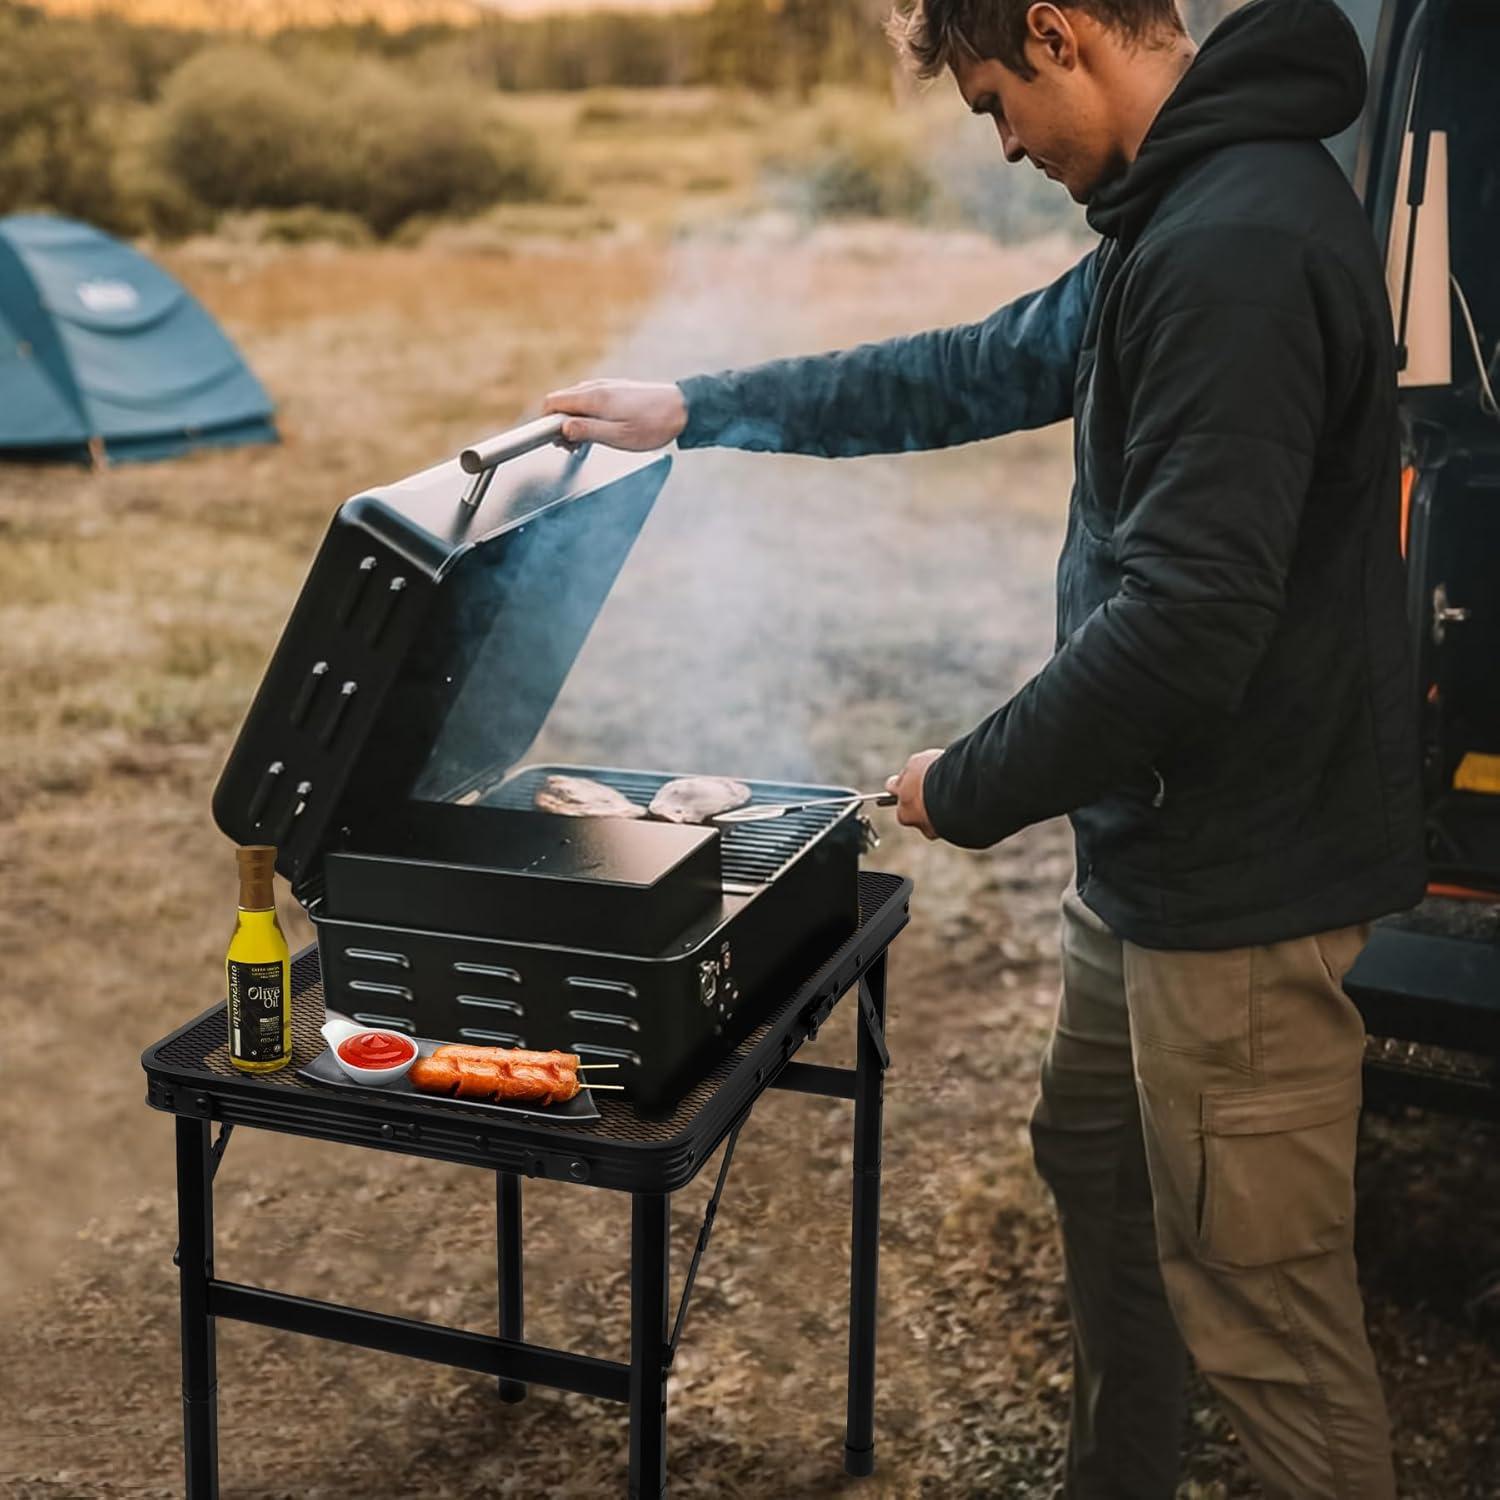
(1426, 160)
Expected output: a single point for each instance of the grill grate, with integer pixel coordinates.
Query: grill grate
(751, 854)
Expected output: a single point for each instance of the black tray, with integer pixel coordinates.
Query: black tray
(324, 1069)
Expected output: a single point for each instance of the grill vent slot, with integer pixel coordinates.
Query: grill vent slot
(751, 854)
(386, 1023)
(603, 1018)
(389, 991)
(268, 784)
(485, 1002)
(307, 695)
(377, 956)
(386, 610)
(356, 589)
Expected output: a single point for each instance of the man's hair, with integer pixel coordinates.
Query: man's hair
(934, 34)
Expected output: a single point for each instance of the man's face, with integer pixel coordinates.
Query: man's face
(1057, 119)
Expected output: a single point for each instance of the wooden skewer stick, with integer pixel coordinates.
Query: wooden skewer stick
(613, 1087)
(582, 1066)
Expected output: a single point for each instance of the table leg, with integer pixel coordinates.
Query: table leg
(200, 1383)
(508, 1244)
(864, 1249)
(650, 1234)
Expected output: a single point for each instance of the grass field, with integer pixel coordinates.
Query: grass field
(778, 617)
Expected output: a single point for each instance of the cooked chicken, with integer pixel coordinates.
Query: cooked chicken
(696, 799)
(578, 797)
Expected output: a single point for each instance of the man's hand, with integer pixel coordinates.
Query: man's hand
(637, 415)
(911, 809)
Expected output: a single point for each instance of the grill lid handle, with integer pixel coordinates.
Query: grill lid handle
(504, 446)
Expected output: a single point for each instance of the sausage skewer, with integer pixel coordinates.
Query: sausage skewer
(491, 1075)
(517, 1055)
(508, 1055)
(487, 1079)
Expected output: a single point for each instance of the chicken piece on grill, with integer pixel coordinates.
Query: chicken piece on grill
(578, 797)
(696, 799)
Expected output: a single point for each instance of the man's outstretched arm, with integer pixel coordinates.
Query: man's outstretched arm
(1012, 371)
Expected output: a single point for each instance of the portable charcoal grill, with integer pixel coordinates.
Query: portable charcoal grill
(434, 632)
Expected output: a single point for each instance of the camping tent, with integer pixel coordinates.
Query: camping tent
(103, 354)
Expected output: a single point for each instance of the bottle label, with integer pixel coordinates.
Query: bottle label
(257, 1008)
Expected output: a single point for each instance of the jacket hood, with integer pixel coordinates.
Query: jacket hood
(1274, 70)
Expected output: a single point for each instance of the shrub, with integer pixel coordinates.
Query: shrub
(866, 178)
(154, 202)
(852, 162)
(54, 151)
(927, 161)
(1012, 204)
(306, 223)
(242, 129)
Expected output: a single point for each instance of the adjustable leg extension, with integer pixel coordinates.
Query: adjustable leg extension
(508, 1246)
(869, 1093)
(650, 1234)
(200, 1385)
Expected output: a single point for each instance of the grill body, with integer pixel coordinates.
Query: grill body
(432, 636)
(790, 898)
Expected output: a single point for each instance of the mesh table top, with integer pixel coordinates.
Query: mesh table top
(189, 1073)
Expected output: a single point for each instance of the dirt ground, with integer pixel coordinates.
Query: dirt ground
(779, 617)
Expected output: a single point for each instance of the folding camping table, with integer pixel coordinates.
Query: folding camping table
(188, 1075)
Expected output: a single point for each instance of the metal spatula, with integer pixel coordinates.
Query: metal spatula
(765, 811)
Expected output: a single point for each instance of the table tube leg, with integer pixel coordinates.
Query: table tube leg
(864, 1249)
(200, 1383)
(650, 1220)
(508, 1242)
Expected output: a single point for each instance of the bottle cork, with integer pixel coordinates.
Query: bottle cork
(257, 871)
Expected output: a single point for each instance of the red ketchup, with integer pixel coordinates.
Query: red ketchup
(377, 1049)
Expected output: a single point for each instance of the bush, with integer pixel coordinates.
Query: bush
(241, 129)
(927, 161)
(1012, 204)
(305, 224)
(852, 163)
(54, 151)
(866, 178)
(154, 202)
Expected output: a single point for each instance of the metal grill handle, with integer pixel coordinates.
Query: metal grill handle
(504, 446)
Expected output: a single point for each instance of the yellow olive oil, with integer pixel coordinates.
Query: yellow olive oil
(258, 970)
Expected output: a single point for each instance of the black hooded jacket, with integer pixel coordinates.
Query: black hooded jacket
(1229, 718)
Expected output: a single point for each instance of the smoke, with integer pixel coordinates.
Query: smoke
(806, 619)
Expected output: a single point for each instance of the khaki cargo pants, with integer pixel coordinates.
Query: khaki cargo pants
(1197, 1126)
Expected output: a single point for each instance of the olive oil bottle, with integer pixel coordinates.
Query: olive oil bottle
(258, 969)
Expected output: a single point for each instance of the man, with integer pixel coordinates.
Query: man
(1228, 717)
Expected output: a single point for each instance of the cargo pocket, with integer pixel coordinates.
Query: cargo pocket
(1278, 1172)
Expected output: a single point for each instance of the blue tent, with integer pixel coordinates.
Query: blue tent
(104, 355)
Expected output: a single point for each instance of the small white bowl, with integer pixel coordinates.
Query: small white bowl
(336, 1031)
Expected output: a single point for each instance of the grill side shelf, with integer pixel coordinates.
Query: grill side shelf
(624, 1150)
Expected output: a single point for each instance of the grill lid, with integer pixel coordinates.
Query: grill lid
(429, 642)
